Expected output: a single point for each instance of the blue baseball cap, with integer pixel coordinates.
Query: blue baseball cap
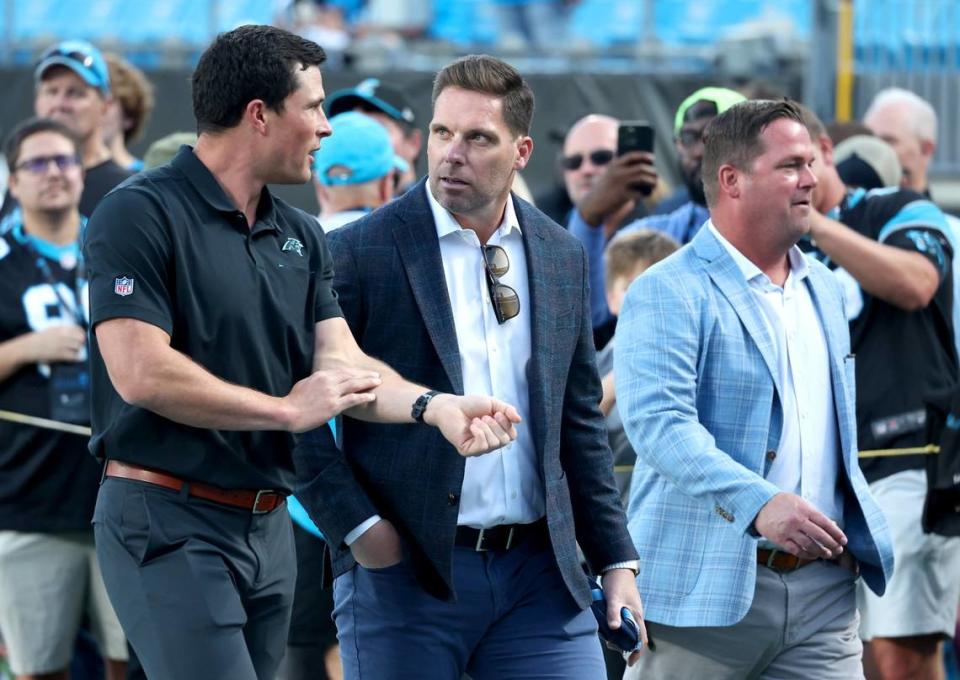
(80, 57)
(361, 146)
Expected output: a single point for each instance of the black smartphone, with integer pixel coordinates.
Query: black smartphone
(627, 637)
(634, 135)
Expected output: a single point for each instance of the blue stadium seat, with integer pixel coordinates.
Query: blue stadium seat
(238, 12)
(465, 22)
(607, 23)
(683, 22)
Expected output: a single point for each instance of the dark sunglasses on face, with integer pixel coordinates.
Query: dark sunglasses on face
(506, 302)
(598, 157)
(40, 164)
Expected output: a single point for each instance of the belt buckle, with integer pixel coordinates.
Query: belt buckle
(479, 546)
(256, 502)
(769, 562)
(509, 539)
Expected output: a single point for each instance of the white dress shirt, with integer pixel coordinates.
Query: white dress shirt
(503, 486)
(808, 456)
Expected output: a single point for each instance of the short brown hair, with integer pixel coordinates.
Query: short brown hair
(626, 251)
(29, 128)
(134, 92)
(483, 73)
(733, 137)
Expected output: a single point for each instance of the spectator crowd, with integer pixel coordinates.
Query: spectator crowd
(753, 461)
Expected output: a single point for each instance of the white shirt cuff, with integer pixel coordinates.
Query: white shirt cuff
(359, 531)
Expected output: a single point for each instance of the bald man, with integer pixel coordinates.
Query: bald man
(908, 123)
(604, 188)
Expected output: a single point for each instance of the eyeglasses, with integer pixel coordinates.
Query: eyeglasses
(690, 138)
(40, 164)
(506, 302)
(598, 157)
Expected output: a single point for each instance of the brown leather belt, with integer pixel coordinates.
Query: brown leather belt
(501, 537)
(257, 502)
(779, 560)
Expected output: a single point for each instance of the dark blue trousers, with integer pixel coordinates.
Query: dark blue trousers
(513, 618)
(202, 590)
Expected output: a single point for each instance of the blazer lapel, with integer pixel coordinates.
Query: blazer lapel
(729, 279)
(416, 237)
(834, 342)
(543, 280)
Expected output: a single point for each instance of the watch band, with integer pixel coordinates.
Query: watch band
(632, 565)
(420, 405)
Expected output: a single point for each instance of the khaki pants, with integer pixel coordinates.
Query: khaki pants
(801, 625)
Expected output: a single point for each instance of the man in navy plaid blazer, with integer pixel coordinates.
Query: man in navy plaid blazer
(736, 388)
(445, 566)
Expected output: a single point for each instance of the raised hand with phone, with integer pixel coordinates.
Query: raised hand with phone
(629, 177)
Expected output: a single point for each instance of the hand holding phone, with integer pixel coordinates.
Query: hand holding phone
(626, 638)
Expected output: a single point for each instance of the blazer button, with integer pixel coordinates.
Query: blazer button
(771, 454)
(452, 499)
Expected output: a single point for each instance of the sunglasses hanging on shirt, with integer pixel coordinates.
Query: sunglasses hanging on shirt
(506, 302)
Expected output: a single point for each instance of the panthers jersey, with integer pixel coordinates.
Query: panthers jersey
(48, 481)
(901, 355)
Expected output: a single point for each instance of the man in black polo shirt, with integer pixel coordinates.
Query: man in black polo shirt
(892, 251)
(216, 336)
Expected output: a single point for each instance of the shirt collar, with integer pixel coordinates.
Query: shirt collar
(799, 268)
(447, 224)
(210, 190)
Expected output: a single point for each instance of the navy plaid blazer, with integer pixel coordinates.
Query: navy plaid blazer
(390, 282)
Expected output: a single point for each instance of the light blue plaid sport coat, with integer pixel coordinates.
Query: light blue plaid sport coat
(695, 384)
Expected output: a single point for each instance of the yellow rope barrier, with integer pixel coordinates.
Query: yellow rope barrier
(45, 423)
(927, 450)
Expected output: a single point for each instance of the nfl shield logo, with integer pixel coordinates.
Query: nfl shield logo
(123, 286)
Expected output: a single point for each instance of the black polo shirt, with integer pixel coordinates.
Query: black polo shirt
(901, 356)
(169, 248)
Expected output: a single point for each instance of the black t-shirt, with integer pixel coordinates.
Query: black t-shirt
(48, 482)
(170, 249)
(901, 356)
(98, 181)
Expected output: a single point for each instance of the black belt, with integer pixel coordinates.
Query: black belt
(502, 537)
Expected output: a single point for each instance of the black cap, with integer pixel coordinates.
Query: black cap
(373, 94)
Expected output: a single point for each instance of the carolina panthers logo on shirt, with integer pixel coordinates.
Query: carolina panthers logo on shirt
(294, 245)
(928, 243)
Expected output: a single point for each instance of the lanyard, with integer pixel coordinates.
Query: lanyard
(74, 310)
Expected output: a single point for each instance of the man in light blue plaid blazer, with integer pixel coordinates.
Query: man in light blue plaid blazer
(748, 507)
